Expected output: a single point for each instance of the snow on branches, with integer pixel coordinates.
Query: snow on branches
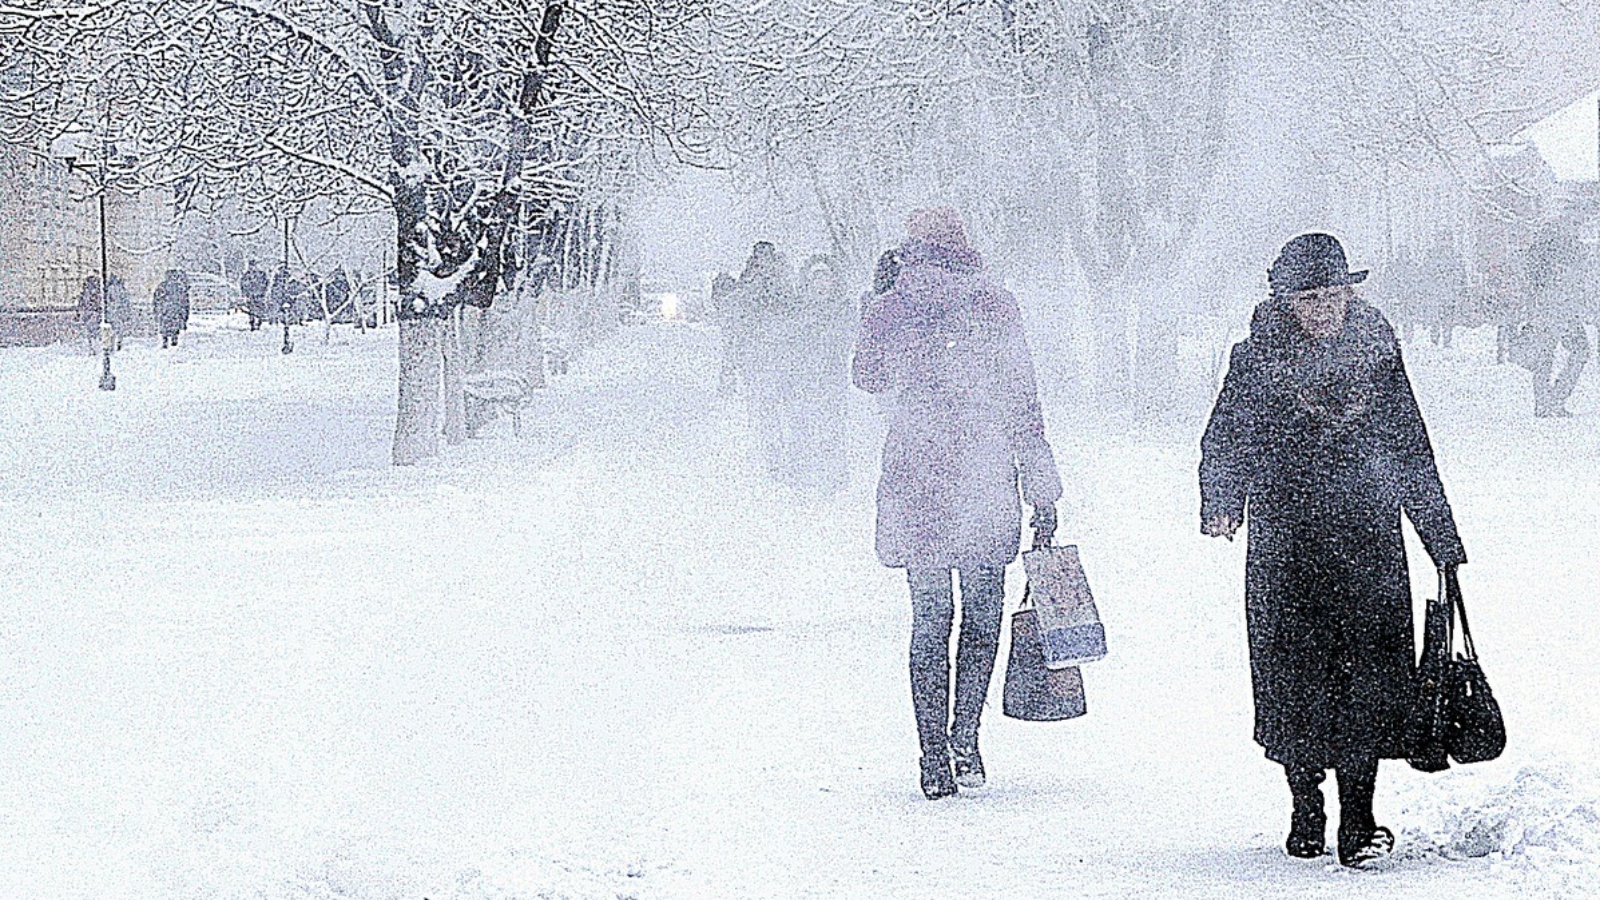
(469, 118)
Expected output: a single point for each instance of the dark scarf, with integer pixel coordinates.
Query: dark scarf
(1332, 383)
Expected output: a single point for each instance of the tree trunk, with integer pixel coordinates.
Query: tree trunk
(455, 412)
(1157, 356)
(531, 343)
(416, 426)
(1109, 317)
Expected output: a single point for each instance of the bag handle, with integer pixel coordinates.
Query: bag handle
(1452, 590)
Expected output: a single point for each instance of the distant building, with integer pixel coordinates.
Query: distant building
(50, 242)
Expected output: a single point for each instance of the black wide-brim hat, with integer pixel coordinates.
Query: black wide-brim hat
(1309, 262)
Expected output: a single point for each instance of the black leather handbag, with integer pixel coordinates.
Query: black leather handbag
(1474, 729)
(1455, 715)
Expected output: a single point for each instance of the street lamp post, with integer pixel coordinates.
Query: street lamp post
(108, 381)
(287, 300)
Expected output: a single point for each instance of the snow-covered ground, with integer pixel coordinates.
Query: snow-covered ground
(241, 656)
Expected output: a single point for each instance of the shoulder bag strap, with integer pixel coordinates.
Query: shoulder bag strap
(1452, 583)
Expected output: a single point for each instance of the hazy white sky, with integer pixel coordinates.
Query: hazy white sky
(1568, 139)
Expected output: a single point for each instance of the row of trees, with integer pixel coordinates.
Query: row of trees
(1098, 138)
(1134, 149)
(480, 126)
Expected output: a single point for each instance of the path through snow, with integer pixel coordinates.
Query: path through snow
(245, 658)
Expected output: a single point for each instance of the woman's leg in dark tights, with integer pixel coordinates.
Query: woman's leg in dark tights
(982, 608)
(932, 613)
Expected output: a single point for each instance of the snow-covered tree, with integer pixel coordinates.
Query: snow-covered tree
(468, 119)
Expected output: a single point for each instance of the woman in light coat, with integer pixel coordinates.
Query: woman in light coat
(947, 339)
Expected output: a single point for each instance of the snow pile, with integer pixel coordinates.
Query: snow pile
(1543, 824)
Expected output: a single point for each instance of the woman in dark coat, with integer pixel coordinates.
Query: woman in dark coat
(1317, 434)
(966, 423)
(91, 302)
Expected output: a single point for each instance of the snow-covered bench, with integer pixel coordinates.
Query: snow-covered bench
(501, 389)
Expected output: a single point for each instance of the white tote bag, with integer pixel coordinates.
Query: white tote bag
(1069, 623)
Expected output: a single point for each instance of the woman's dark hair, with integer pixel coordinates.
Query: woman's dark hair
(887, 272)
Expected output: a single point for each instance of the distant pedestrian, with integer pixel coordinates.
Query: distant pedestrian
(336, 297)
(171, 306)
(766, 294)
(946, 340)
(91, 301)
(119, 310)
(253, 291)
(1557, 295)
(1317, 434)
(804, 350)
(1443, 281)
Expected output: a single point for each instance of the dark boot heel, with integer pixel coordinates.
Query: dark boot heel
(1356, 849)
(1308, 824)
(968, 765)
(1307, 828)
(1361, 839)
(937, 783)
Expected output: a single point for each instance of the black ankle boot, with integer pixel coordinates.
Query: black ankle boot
(1357, 848)
(1307, 828)
(937, 782)
(1309, 822)
(1361, 839)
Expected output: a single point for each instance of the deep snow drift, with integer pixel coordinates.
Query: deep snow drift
(243, 657)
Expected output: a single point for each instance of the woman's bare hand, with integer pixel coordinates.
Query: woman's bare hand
(1222, 526)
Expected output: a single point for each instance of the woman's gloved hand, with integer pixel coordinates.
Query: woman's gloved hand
(1043, 524)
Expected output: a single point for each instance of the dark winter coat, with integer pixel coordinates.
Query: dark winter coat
(966, 417)
(119, 306)
(336, 295)
(253, 287)
(89, 301)
(1323, 443)
(171, 304)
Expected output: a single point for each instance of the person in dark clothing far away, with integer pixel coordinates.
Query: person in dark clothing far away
(1444, 285)
(1555, 323)
(946, 338)
(766, 296)
(1317, 436)
(336, 296)
(119, 309)
(253, 289)
(90, 301)
(170, 304)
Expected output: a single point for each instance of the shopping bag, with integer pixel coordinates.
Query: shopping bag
(1069, 623)
(1033, 692)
